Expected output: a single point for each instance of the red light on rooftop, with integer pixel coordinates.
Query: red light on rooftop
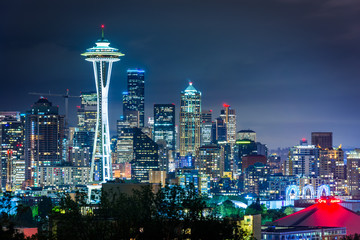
(303, 139)
(226, 105)
(102, 25)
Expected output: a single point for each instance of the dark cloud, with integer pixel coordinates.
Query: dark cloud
(288, 67)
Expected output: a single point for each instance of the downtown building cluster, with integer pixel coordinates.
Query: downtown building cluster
(39, 150)
(206, 149)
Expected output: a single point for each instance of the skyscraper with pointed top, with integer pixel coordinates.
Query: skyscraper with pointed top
(190, 120)
(102, 56)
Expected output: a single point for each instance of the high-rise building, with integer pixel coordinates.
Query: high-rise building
(210, 160)
(120, 124)
(255, 179)
(229, 117)
(206, 126)
(133, 99)
(331, 163)
(146, 156)
(124, 146)
(12, 151)
(190, 120)
(322, 139)
(219, 131)
(102, 56)
(242, 148)
(44, 134)
(303, 160)
(353, 172)
(164, 124)
(131, 116)
(87, 111)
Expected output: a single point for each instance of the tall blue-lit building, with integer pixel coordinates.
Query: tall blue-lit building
(164, 124)
(133, 99)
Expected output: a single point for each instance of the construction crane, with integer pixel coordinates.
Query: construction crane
(66, 96)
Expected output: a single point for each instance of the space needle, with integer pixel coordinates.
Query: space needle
(102, 56)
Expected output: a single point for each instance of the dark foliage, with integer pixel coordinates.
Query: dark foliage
(173, 212)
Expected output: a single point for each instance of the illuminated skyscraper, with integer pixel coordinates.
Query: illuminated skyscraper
(12, 151)
(206, 126)
(190, 120)
(164, 124)
(44, 134)
(87, 111)
(303, 160)
(331, 163)
(102, 56)
(133, 99)
(210, 160)
(146, 156)
(219, 131)
(353, 172)
(229, 117)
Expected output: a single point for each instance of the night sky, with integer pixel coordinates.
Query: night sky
(288, 67)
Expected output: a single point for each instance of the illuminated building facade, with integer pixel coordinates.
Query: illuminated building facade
(133, 99)
(331, 164)
(303, 160)
(256, 179)
(12, 151)
(102, 57)
(124, 145)
(219, 131)
(242, 148)
(87, 111)
(64, 175)
(277, 184)
(44, 134)
(201, 182)
(210, 160)
(146, 156)
(206, 127)
(246, 135)
(190, 120)
(229, 117)
(353, 172)
(164, 124)
(300, 233)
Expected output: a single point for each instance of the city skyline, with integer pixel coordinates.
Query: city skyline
(287, 72)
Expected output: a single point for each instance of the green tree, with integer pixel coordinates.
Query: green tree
(255, 208)
(289, 210)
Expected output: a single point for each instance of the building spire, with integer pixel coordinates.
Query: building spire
(102, 31)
